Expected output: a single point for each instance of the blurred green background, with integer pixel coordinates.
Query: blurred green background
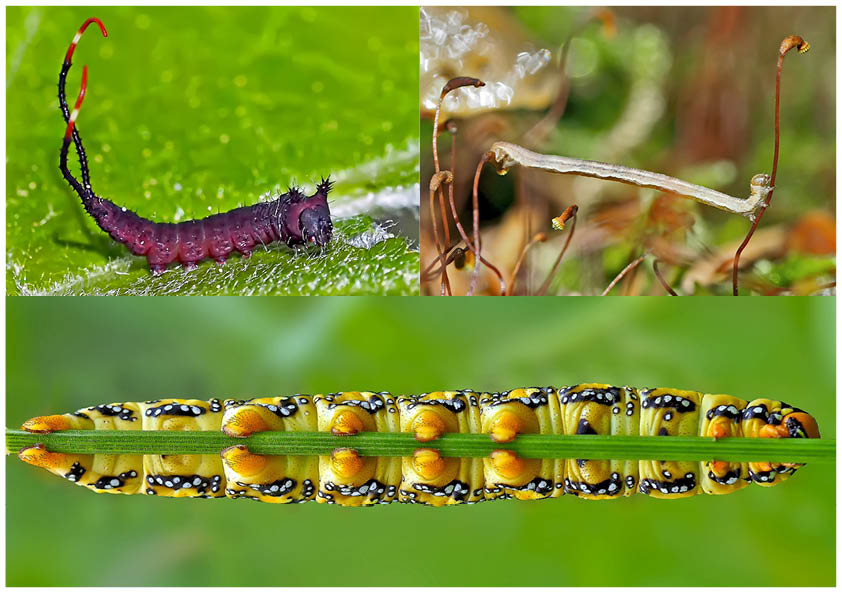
(69, 353)
(194, 110)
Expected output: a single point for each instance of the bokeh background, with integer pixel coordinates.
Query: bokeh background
(195, 110)
(69, 353)
(685, 91)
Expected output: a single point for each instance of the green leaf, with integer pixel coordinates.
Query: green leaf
(193, 111)
(796, 267)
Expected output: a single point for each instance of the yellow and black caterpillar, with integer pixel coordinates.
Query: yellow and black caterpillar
(346, 478)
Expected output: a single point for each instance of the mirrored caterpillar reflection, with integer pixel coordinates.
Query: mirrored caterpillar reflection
(292, 218)
(345, 478)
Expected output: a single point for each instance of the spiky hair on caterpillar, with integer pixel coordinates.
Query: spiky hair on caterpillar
(346, 478)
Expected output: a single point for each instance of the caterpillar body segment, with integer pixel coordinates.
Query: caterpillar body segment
(721, 419)
(764, 418)
(603, 410)
(504, 416)
(183, 476)
(669, 412)
(427, 477)
(277, 414)
(346, 478)
(270, 478)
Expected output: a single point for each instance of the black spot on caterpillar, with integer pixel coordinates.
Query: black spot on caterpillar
(292, 218)
(345, 478)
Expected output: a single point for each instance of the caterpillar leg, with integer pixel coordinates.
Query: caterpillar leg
(269, 478)
(603, 410)
(344, 477)
(269, 414)
(523, 410)
(515, 477)
(669, 412)
(427, 477)
(180, 476)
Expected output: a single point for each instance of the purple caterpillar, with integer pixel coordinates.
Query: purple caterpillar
(292, 218)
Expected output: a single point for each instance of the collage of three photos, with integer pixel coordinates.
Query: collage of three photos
(300, 186)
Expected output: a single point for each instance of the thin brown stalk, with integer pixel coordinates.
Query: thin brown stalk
(539, 237)
(452, 84)
(475, 209)
(451, 127)
(629, 267)
(663, 281)
(558, 223)
(444, 279)
(470, 245)
(793, 41)
(442, 207)
(435, 184)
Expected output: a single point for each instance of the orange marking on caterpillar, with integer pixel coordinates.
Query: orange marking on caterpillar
(428, 426)
(346, 463)
(242, 461)
(46, 424)
(505, 427)
(346, 423)
(718, 430)
(245, 423)
(428, 463)
(507, 463)
(38, 455)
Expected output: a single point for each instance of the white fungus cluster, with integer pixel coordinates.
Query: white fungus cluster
(450, 44)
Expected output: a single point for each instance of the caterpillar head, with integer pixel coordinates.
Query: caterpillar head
(315, 225)
(307, 218)
(800, 424)
(796, 424)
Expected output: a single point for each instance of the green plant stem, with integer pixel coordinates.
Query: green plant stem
(543, 446)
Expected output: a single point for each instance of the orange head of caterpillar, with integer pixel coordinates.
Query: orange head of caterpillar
(797, 424)
(800, 424)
